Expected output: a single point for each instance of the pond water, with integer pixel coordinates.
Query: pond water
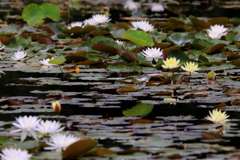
(175, 129)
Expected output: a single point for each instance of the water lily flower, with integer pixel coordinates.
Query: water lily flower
(61, 142)
(190, 67)
(26, 125)
(100, 18)
(216, 116)
(19, 55)
(75, 24)
(90, 21)
(1, 46)
(152, 54)
(121, 43)
(56, 106)
(49, 127)
(217, 31)
(170, 99)
(171, 63)
(157, 7)
(143, 25)
(131, 5)
(2, 72)
(14, 154)
(45, 62)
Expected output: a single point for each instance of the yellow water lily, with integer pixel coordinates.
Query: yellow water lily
(171, 63)
(56, 106)
(216, 116)
(190, 67)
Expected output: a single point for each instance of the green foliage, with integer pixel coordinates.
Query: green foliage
(118, 33)
(179, 38)
(51, 11)
(58, 60)
(211, 75)
(139, 110)
(231, 37)
(27, 145)
(117, 67)
(110, 43)
(34, 14)
(140, 38)
(179, 55)
(79, 148)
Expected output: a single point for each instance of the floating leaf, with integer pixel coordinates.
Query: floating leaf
(58, 60)
(235, 102)
(231, 37)
(211, 76)
(107, 46)
(179, 55)
(28, 145)
(142, 121)
(166, 50)
(140, 38)
(75, 57)
(79, 148)
(118, 33)
(75, 30)
(118, 67)
(4, 140)
(200, 24)
(218, 20)
(51, 11)
(128, 89)
(101, 152)
(32, 14)
(215, 48)
(175, 20)
(179, 38)
(139, 110)
(98, 33)
(212, 135)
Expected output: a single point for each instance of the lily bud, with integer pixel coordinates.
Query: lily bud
(56, 106)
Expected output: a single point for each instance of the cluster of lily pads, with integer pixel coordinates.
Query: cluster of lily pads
(137, 48)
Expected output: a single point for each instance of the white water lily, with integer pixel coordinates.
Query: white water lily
(26, 125)
(61, 142)
(19, 55)
(143, 25)
(152, 54)
(49, 127)
(90, 21)
(157, 7)
(45, 62)
(131, 5)
(75, 24)
(14, 154)
(121, 43)
(100, 18)
(217, 31)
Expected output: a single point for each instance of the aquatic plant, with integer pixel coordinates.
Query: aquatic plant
(217, 116)
(27, 125)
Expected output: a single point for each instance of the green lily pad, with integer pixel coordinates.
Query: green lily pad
(58, 60)
(33, 14)
(51, 11)
(140, 38)
(139, 110)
